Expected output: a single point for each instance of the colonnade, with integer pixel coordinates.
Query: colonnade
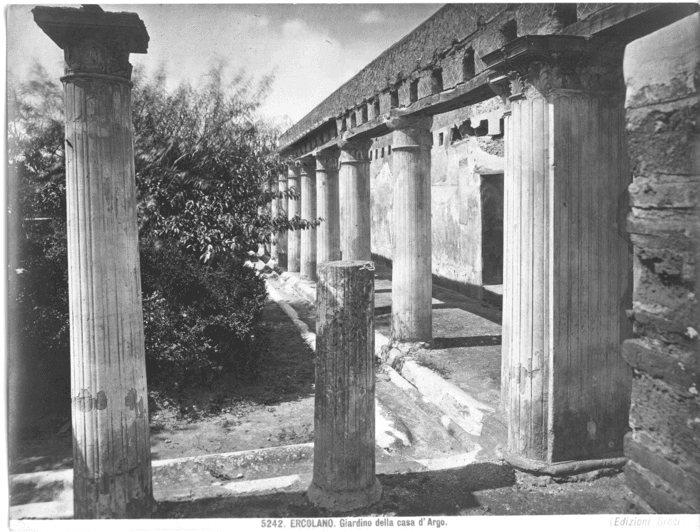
(334, 184)
(565, 387)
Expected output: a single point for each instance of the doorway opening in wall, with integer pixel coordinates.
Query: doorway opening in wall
(492, 232)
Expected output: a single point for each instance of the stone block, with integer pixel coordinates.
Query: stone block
(452, 70)
(664, 192)
(646, 454)
(426, 85)
(663, 138)
(676, 225)
(672, 415)
(405, 93)
(663, 66)
(654, 491)
(537, 19)
(675, 366)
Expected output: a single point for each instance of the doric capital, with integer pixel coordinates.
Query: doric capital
(307, 167)
(326, 160)
(293, 171)
(554, 62)
(94, 41)
(410, 131)
(282, 177)
(354, 151)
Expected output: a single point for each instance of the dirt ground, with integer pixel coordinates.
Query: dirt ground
(275, 409)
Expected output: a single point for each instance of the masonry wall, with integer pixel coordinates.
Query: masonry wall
(467, 144)
(662, 72)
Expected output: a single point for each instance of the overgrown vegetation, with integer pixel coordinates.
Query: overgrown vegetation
(204, 165)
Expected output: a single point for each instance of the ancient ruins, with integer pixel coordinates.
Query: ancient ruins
(545, 154)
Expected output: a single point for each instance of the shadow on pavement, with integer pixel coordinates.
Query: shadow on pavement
(466, 341)
(447, 492)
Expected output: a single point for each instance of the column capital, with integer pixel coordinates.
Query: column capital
(282, 177)
(326, 160)
(550, 63)
(95, 42)
(354, 151)
(293, 171)
(306, 166)
(410, 132)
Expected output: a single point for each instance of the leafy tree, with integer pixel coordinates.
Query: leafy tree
(205, 165)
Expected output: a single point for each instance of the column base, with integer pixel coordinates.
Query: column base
(560, 469)
(344, 501)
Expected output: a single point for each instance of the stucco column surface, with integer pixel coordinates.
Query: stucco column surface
(355, 215)
(111, 447)
(411, 281)
(566, 388)
(281, 207)
(328, 233)
(308, 213)
(294, 210)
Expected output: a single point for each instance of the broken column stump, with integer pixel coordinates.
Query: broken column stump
(111, 446)
(344, 463)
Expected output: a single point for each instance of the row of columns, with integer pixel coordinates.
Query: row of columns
(565, 387)
(334, 185)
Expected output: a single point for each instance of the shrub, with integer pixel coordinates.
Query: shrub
(199, 322)
(202, 161)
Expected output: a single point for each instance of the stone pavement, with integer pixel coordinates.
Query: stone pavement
(438, 430)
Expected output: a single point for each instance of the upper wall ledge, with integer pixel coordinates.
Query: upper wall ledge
(440, 65)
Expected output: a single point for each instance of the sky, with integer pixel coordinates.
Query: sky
(312, 49)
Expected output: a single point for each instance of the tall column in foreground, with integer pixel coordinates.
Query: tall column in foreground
(308, 213)
(111, 447)
(328, 233)
(355, 216)
(567, 259)
(411, 277)
(294, 237)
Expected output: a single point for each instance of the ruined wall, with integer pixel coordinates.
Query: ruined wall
(467, 144)
(662, 72)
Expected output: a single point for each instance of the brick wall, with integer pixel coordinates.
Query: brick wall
(662, 72)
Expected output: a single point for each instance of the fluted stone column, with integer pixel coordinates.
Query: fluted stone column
(328, 233)
(411, 281)
(111, 447)
(308, 213)
(294, 210)
(355, 215)
(279, 208)
(566, 388)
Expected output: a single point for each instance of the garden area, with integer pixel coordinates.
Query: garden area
(206, 173)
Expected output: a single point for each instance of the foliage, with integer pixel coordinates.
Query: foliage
(208, 322)
(203, 162)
